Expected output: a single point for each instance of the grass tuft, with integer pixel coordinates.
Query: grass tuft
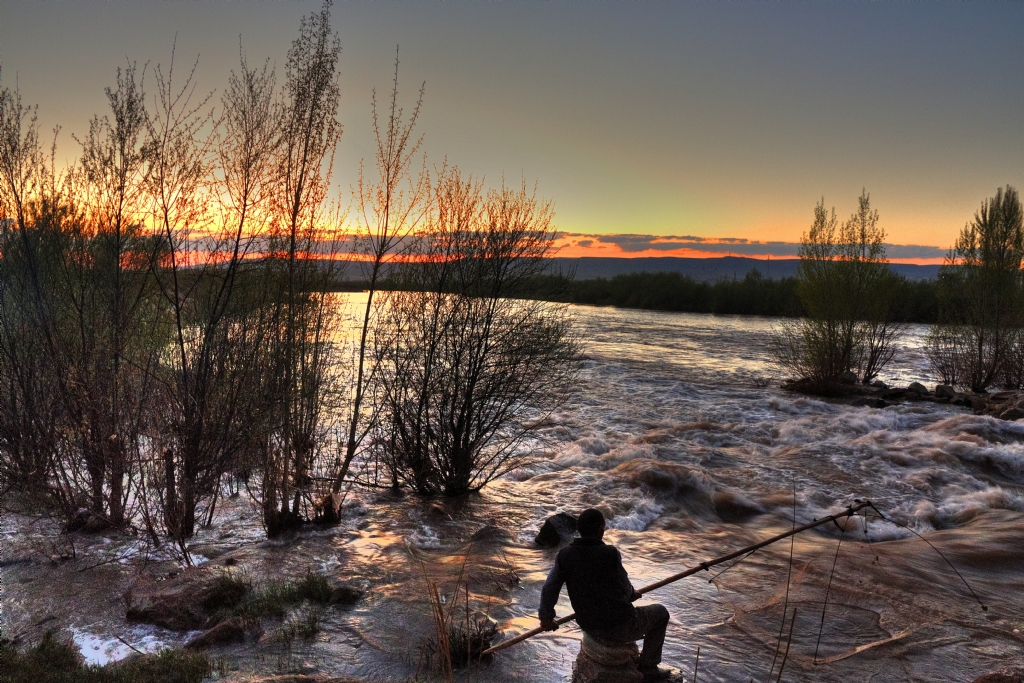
(273, 600)
(227, 592)
(54, 661)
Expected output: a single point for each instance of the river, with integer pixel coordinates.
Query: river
(674, 435)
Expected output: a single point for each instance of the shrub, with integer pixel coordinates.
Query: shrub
(54, 661)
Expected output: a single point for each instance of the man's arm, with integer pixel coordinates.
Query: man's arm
(549, 596)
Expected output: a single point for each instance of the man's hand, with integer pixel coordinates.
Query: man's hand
(548, 625)
(636, 596)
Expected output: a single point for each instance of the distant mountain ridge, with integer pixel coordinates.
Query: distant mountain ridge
(704, 269)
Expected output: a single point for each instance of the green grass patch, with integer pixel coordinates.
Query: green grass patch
(53, 661)
(274, 598)
(227, 592)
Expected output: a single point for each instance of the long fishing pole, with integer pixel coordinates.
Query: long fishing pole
(703, 566)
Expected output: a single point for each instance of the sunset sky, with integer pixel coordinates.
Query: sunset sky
(657, 128)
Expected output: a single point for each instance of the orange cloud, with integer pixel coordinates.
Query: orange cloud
(580, 245)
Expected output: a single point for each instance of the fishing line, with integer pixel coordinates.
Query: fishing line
(785, 604)
(984, 607)
(828, 588)
(712, 579)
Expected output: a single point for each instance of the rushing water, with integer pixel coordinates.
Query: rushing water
(673, 435)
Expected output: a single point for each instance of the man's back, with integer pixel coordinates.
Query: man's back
(599, 588)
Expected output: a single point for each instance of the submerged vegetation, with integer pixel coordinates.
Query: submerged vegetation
(168, 319)
(856, 307)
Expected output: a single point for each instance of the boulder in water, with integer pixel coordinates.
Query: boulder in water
(88, 522)
(557, 529)
(226, 632)
(600, 662)
(849, 377)
(1006, 405)
(944, 391)
(185, 603)
(918, 388)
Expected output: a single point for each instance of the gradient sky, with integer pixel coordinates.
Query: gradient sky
(672, 122)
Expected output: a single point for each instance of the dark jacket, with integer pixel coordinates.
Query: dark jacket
(599, 588)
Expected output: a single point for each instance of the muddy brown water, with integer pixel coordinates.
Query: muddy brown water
(671, 436)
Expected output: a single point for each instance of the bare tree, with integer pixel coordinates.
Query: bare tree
(466, 370)
(301, 356)
(390, 209)
(31, 203)
(209, 363)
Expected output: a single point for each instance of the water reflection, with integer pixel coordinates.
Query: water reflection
(671, 435)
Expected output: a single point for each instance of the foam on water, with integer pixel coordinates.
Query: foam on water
(689, 458)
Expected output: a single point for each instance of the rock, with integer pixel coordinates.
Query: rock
(210, 551)
(557, 529)
(604, 663)
(1014, 412)
(185, 603)
(1006, 405)
(345, 594)
(869, 402)
(879, 384)
(224, 633)
(894, 394)
(918, 388)
(849, 377)
(944, 391)
(1013, 675)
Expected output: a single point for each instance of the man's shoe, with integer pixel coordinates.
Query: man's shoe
(658, 673)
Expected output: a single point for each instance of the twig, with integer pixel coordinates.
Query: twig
(788, 641)
(789, 577)
(827, 589)
(695, 664)
(129, 644)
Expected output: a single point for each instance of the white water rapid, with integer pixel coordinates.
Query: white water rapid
(672, 437)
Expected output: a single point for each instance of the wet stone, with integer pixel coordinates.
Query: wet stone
(944, 391)
(183, 603)
(918, 388)
(224, 633)
(557, 529)
(603, 663)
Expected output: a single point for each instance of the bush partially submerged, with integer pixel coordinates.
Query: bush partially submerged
(274, 599)
(53, 661)
(227, 592)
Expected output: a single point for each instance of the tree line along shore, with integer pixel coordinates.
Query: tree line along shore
(752, 294)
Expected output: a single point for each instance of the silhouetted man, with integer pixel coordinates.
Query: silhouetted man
(602, 596)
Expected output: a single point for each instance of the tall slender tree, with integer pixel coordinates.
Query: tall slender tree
(390, 209)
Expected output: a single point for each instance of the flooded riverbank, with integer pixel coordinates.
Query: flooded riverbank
(673, 437)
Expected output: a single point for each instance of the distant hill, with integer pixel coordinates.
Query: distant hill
(704, 269)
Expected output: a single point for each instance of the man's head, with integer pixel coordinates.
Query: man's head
(591, 524)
